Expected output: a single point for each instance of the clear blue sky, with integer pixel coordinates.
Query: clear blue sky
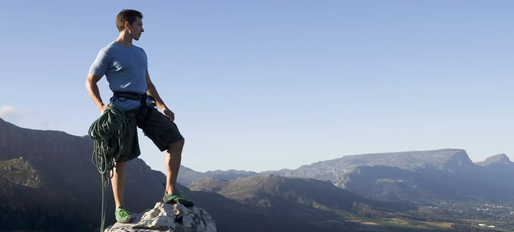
(265, 85)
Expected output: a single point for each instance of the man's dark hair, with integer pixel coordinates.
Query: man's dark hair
(127, 15)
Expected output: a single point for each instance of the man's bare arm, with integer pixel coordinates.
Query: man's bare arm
(152, 91)
(94, 92)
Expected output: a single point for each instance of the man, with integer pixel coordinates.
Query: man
(126, 68)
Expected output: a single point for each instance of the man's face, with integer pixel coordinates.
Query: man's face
(136, 28)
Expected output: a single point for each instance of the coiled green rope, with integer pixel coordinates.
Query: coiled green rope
(109, 135)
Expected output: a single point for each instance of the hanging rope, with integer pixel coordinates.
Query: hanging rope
(109, 135)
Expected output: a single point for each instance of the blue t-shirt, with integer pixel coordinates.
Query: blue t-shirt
(125, 69)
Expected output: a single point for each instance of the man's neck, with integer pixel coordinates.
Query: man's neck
(124, 40)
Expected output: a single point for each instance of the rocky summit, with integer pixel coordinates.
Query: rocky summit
(171, 218)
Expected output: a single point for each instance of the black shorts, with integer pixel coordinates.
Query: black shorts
(160, 129)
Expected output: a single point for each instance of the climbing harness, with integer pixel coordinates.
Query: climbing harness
(135, 96)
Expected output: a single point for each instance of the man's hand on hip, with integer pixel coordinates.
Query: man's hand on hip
(169, 114)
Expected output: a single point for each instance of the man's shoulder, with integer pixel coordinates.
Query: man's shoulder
(113, 48)
(139, 48)
(110, 48)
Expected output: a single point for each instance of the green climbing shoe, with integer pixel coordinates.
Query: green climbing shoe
(122, 215)
(176, 198)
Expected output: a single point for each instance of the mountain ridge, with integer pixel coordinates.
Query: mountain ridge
(410, 175)
(48, 183)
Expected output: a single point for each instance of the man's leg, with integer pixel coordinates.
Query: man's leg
(173, 159)
(131, 151)
(118, 183)
(166, 136)
(118, 187)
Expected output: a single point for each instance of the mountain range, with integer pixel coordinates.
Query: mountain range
(402, 176)
(49, 183)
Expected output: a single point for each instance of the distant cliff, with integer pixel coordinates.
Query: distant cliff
(399, 176)
(414, 175)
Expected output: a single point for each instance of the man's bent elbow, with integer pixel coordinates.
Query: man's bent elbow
(92, 79)
(89, 84)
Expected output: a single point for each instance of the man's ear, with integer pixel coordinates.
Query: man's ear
(127, 25)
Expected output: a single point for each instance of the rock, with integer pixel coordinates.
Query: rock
(171, 218)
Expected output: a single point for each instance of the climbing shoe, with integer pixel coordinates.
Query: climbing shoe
(122, 215)
(176, 198)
